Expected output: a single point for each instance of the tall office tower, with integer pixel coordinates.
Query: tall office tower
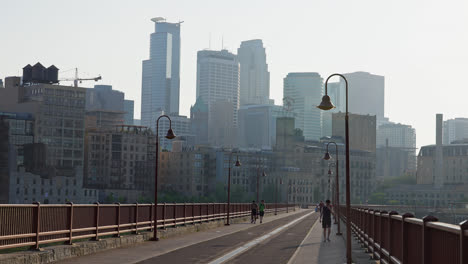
(199, 122)
(337, 96)
(254, 75)
(218, 87)
(455, 130)
(304, 90)
(161, 73)
(366, 94)
(128, 109)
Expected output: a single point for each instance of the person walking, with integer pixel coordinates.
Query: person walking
(326, 221)
(253, 216)
(261, 210)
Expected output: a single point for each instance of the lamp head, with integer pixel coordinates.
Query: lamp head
(263, 174)
(326, 103)
(329, 172)
(238, 163)
(170, 134)
(327, 156)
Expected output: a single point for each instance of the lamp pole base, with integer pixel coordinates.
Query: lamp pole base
(339, 234)
(155, 239)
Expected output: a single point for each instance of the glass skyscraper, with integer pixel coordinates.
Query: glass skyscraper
(304, 91)
(161, 73)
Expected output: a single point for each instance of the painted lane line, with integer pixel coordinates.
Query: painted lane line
(256, 241)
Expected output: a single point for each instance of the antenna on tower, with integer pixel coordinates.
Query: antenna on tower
(222, 42)
(209, 42)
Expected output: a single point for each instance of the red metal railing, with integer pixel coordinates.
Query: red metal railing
(37, 224)
(394, 238)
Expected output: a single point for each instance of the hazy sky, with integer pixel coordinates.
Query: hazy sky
(421, 47)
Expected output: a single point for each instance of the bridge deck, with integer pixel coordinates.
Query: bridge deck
(286, 238)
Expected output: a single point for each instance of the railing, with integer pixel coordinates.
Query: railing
(37, 224)
(394, 238)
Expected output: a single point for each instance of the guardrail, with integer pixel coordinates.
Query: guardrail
(23, 225)
(394, 238)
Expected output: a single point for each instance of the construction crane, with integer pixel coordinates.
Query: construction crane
(76, 79)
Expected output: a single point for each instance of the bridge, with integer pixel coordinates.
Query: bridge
(196, 233)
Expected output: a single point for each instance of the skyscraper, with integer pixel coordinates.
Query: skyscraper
(218, 87)
(161, 73)
(455, 129)
(366, 94)
(254, 75)
(304, 91)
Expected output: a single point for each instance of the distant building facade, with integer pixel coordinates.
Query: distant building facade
(218, 87)
(161, 73)
(305, 90)
(455, 129)
(366, 94)
(102, 97)
(254, 74)
(362, 130)
(199, 122)
(128, 109)
(257, 125)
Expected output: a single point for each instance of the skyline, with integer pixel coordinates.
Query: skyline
(427, 41)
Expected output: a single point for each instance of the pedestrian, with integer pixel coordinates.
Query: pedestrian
(326, 221)
(320, 208)
(253, 216)
(261, 210)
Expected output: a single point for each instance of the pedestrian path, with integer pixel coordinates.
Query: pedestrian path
(148, 250)
(313, 250)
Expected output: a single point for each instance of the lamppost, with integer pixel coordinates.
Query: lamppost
(276, 195)
(337, 182)
(170, 135)
(326, 104)
(258, 178)
(238, 164)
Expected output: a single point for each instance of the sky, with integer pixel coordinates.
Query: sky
(420, 46)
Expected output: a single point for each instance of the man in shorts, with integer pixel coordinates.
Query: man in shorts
(326, 221)
(261, 210)
(253, 216)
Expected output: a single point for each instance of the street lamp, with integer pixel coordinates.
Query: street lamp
(258, 178)
(238, 164)
(337, 182)
(276, 195)
(170, 135)
(326, 104)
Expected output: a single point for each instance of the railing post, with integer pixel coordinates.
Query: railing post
(425, 238)
(151, 217)
(136, 218)
(175, 214)
(213, 212)
(38, 224)
(380, 233)
(373, 234)
(70, 221)
(201, 205)
(193, 213)
(185, 215)
(164, 216)
(390, 235)
(118, 220)
(463, 253)
(96, 238)
(404, 241)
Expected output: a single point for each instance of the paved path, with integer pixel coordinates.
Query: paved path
(147, 250)
(313, 250)
(292, 238)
